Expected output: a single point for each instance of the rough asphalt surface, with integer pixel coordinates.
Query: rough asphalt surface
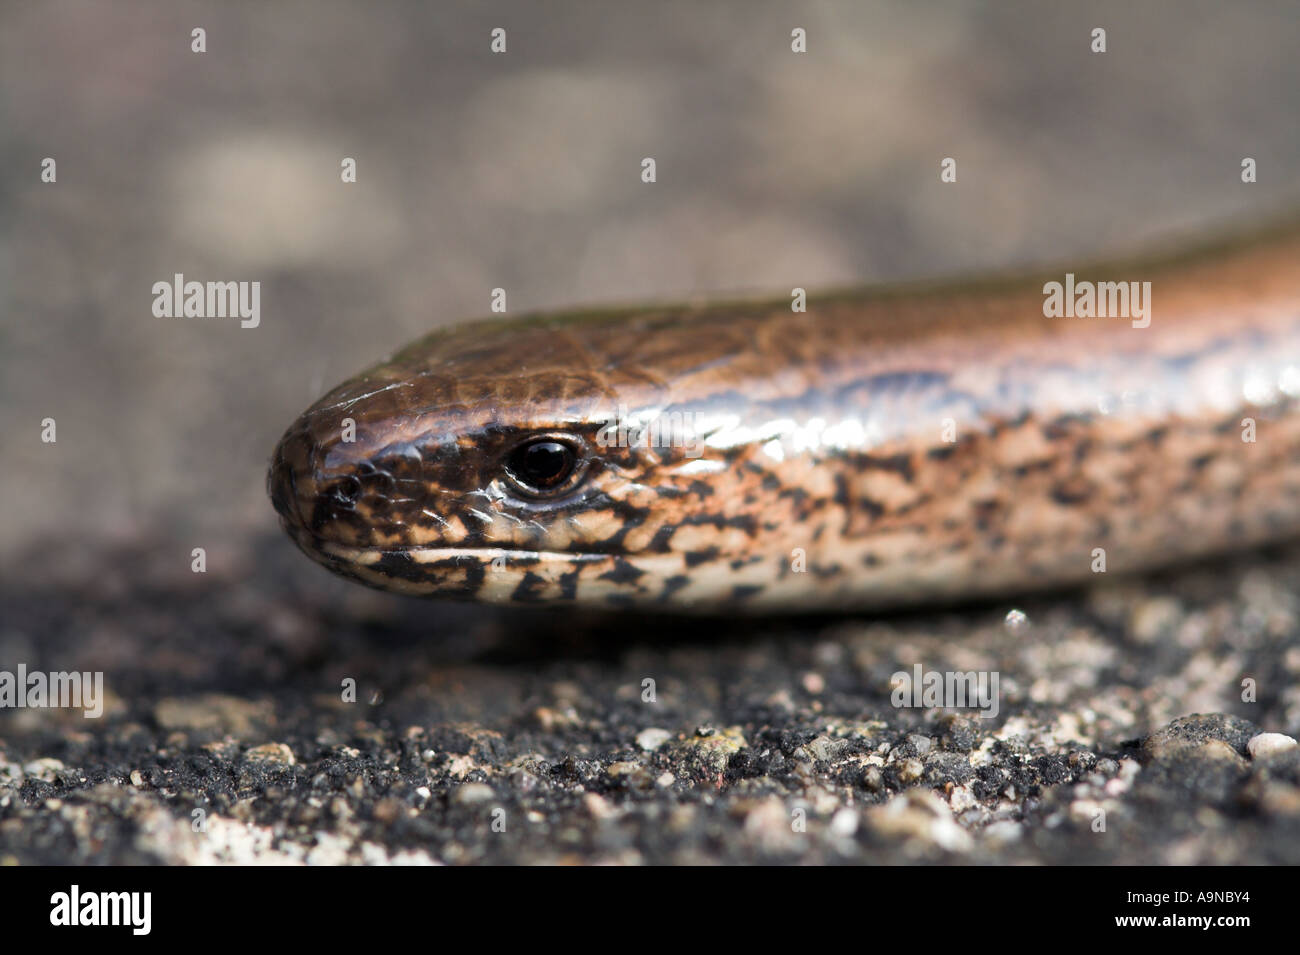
(481, 736)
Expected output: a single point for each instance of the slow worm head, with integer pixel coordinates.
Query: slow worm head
(881, 448)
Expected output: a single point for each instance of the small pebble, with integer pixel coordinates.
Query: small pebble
(1003, 832)
(271, 753)
(910, 771)
(872, 779)
(1269, 744)
(844, 823)
(45, 769)
(472, 793)
(1016, 620)
(651, 739)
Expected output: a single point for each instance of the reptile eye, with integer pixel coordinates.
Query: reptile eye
(347, 491)
(544, 467)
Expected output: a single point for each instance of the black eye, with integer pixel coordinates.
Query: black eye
(347, 491)
(543, 467)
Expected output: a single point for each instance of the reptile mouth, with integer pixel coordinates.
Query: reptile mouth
(339, 556)
(366, 556)
(493, 574)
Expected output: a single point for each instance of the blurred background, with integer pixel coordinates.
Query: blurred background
(522, 171)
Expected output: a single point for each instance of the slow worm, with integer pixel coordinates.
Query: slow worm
(882, 448)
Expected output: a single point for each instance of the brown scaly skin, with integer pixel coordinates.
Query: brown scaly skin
(1070, 434)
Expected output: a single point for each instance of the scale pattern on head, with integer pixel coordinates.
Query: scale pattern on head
(439, 488)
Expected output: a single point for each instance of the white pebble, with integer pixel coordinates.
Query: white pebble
(472, 793)
(1016, 620)
(1269, 744)
(844, 823)
(651, 739)
(1003, 831)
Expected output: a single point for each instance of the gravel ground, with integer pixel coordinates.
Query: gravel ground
(480, 736)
